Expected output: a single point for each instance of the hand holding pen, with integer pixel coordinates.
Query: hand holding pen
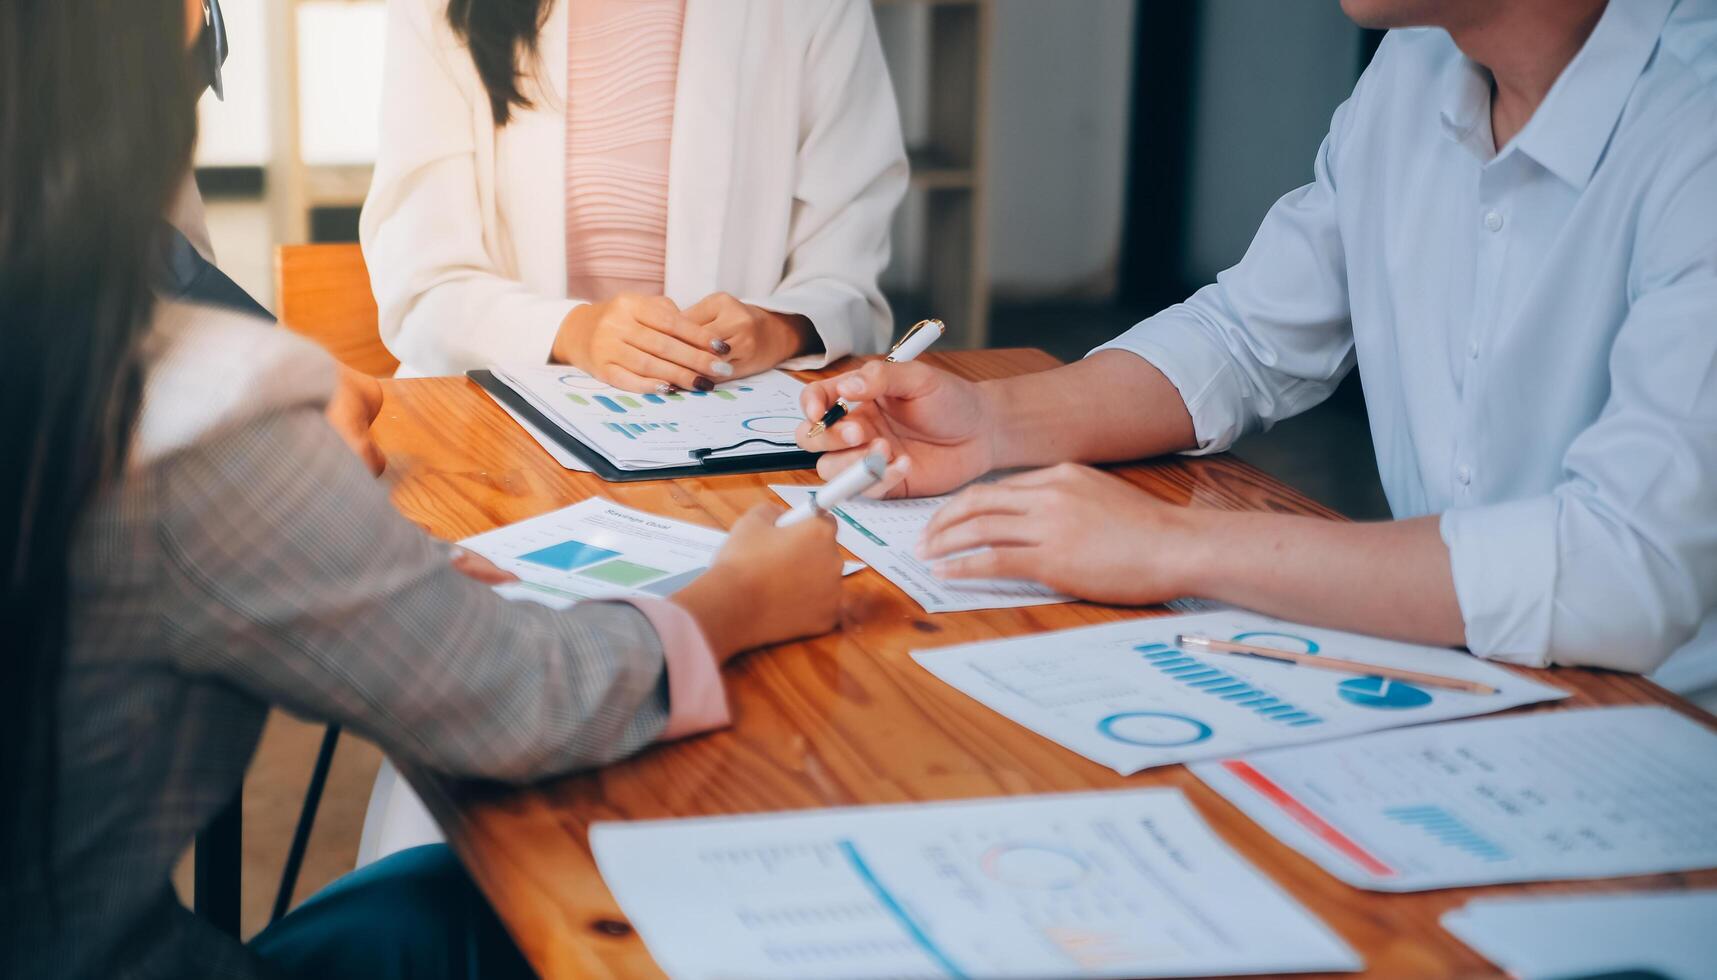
(941, 422)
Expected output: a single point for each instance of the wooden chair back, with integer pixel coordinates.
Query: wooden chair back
(324, 294)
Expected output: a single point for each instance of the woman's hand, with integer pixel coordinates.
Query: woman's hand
(768, 584)
(1079, 531)
(356, 403)
(944, 423)
(643, 344)
(753, 339)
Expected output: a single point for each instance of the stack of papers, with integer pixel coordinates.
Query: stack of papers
(1082, 885)
(1594, 793)
(651, 432)
(1125, 696)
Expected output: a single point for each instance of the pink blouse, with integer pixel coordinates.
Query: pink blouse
(623, 60)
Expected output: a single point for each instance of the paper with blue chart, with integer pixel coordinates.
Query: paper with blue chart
(644, 432)
(1125, 884)
(1123, 695)
(598, 549)
(1591, 793)
(885, 534)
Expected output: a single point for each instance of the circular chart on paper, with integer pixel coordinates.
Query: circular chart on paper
(1278, 641)
(1381, 692)
(581, 382)
(772, 425)
(1034, 866)
(1153, 729)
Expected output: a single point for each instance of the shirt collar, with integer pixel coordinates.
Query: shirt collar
(1569, 131)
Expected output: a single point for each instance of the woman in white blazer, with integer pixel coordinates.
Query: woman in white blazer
(783, 165)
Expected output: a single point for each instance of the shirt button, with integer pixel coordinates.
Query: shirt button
(1493, 221)
(1464, 474)
(1473, 349)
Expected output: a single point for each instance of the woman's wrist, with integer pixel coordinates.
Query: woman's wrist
(787, 335)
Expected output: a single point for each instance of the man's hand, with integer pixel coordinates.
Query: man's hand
(943, 423)
(1079, 531)
(356, 403)
(643, 344)
(751, 338)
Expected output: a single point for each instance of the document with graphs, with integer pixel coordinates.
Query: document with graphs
(1591, 793)
(1118, 884)
(1126, 696)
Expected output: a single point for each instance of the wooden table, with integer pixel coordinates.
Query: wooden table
(844, 719)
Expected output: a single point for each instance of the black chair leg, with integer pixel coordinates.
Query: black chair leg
(306, 821)
(216, 868)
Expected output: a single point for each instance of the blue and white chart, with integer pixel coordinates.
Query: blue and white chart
(597, 549)
(1124, 696)
(641, 432)
(1129, 884)
(1592, 793)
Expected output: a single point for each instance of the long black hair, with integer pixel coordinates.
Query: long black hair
(501, 35)
(97, 122)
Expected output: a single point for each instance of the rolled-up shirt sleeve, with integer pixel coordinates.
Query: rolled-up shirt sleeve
(1272, 336)
(1617, 566)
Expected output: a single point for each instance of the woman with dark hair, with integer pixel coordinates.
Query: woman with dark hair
(186, 541)
(665, 193)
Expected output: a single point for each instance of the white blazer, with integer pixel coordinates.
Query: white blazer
(786, 166)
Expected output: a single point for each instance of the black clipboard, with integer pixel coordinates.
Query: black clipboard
(787, 459)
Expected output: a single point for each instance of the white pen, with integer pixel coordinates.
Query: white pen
(917, 341)
(852, 481)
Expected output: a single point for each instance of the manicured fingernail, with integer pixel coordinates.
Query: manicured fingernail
(849, 389)
(704, 384)
(852, 435)
(721, 347)
(664, 389)
(721, 369)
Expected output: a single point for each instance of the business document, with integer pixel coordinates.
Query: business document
(1123, 884)
(1551, 938)
(1588, 793)
(1125, 696)
(598, 549)
(748, 417)
(885, 535)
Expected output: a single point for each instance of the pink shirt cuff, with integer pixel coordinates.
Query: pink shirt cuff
(697, 702)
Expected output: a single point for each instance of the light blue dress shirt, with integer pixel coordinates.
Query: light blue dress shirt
(1536, 330)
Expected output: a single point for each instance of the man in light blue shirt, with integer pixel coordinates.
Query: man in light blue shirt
(1537, 331)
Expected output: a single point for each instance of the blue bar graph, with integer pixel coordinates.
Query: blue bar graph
(610, 404)
(1447, 829)
(633, 430)
(1202, 677)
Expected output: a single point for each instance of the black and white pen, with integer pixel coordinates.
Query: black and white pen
(917, 341)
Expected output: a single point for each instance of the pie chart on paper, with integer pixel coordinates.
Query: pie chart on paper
(1381, 692)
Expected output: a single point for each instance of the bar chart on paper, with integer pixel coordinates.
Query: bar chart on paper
(1077, 885)
(645, 430)
(598, 549)
(1126, 696)
(1584, 793)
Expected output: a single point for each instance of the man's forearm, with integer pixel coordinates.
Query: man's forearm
(1388, 579)
(1110, 407)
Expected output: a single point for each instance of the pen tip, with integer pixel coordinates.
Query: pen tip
(815, 430)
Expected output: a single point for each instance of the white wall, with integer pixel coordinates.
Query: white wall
(234, 133)
(1060, 108)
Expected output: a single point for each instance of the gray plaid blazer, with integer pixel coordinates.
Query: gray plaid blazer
(247, 560)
